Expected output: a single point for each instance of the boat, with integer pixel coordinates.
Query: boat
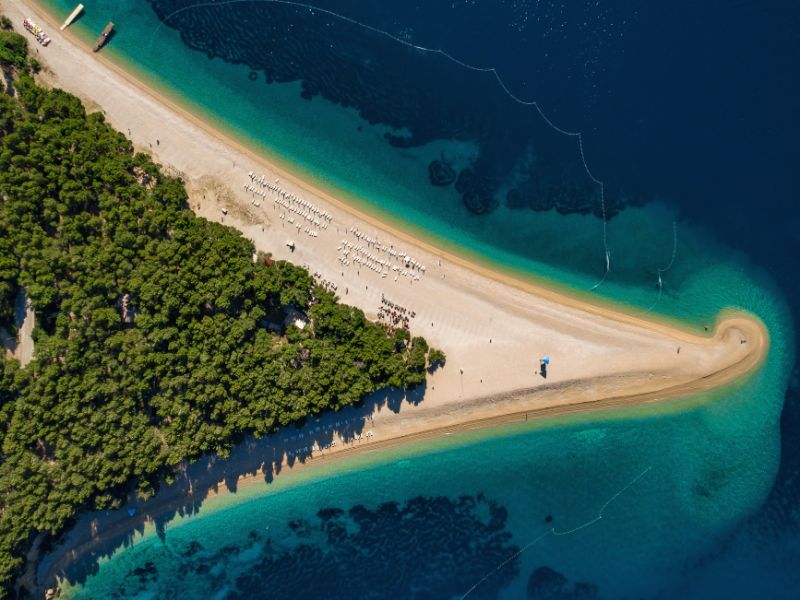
(72, 16)
(36, 31)
(104, 36)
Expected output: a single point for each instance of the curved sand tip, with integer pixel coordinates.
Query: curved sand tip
(741, 337)
(599, 352)
(747, 337)
(602, 357)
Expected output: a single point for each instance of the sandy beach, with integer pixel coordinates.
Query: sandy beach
(493, 328)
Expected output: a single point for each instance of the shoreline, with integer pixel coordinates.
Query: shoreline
(523, 280)
(94, 533)
(122, 530)
(606, 358)
(607, 407)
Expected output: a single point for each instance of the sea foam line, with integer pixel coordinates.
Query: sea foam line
(493, 70)
(552, 531)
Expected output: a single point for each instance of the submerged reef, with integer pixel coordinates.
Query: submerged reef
(441, 173)
(422, 95)
(428, 547)
(547, 584)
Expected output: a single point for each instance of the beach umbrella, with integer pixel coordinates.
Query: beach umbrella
(546, 360)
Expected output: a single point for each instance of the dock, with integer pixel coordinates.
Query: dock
(104, 36)
(72, 16)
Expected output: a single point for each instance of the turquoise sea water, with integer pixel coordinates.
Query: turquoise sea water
(671, 482)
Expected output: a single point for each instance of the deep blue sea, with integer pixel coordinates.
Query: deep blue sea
(460, 120)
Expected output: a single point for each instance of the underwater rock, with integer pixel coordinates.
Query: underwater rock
(326, 514)
(466, 180)
(584, 591)
(540, 202)
(527, 197)
(477, 203)
(571, 200)
(475, 192)
(301, 527)
(516, 199)
(548, 584)
(146, 573)
(403, 90)
(424, 548)
(193, 548)
(440, 173)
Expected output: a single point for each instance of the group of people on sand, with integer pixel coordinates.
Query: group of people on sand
(394, 314)
(328, 285)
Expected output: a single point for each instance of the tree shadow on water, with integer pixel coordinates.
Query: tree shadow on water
(99, 534)
(425, 547)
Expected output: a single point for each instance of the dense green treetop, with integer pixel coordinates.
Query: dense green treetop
(13, 48)
(87, 227)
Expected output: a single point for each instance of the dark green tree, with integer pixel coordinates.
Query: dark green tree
(154, 338)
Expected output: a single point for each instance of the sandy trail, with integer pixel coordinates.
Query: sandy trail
(20, 346)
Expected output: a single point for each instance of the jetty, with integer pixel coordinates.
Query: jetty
(72, 16)
(104, 36)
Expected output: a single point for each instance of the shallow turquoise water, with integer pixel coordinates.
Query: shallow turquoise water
(702, 464)
(694, 473)
(339, 149)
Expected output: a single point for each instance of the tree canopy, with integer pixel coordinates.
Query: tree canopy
(151, 339)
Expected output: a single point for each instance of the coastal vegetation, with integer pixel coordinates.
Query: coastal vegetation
(159, 336)
(436, 358)
(13, 48)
